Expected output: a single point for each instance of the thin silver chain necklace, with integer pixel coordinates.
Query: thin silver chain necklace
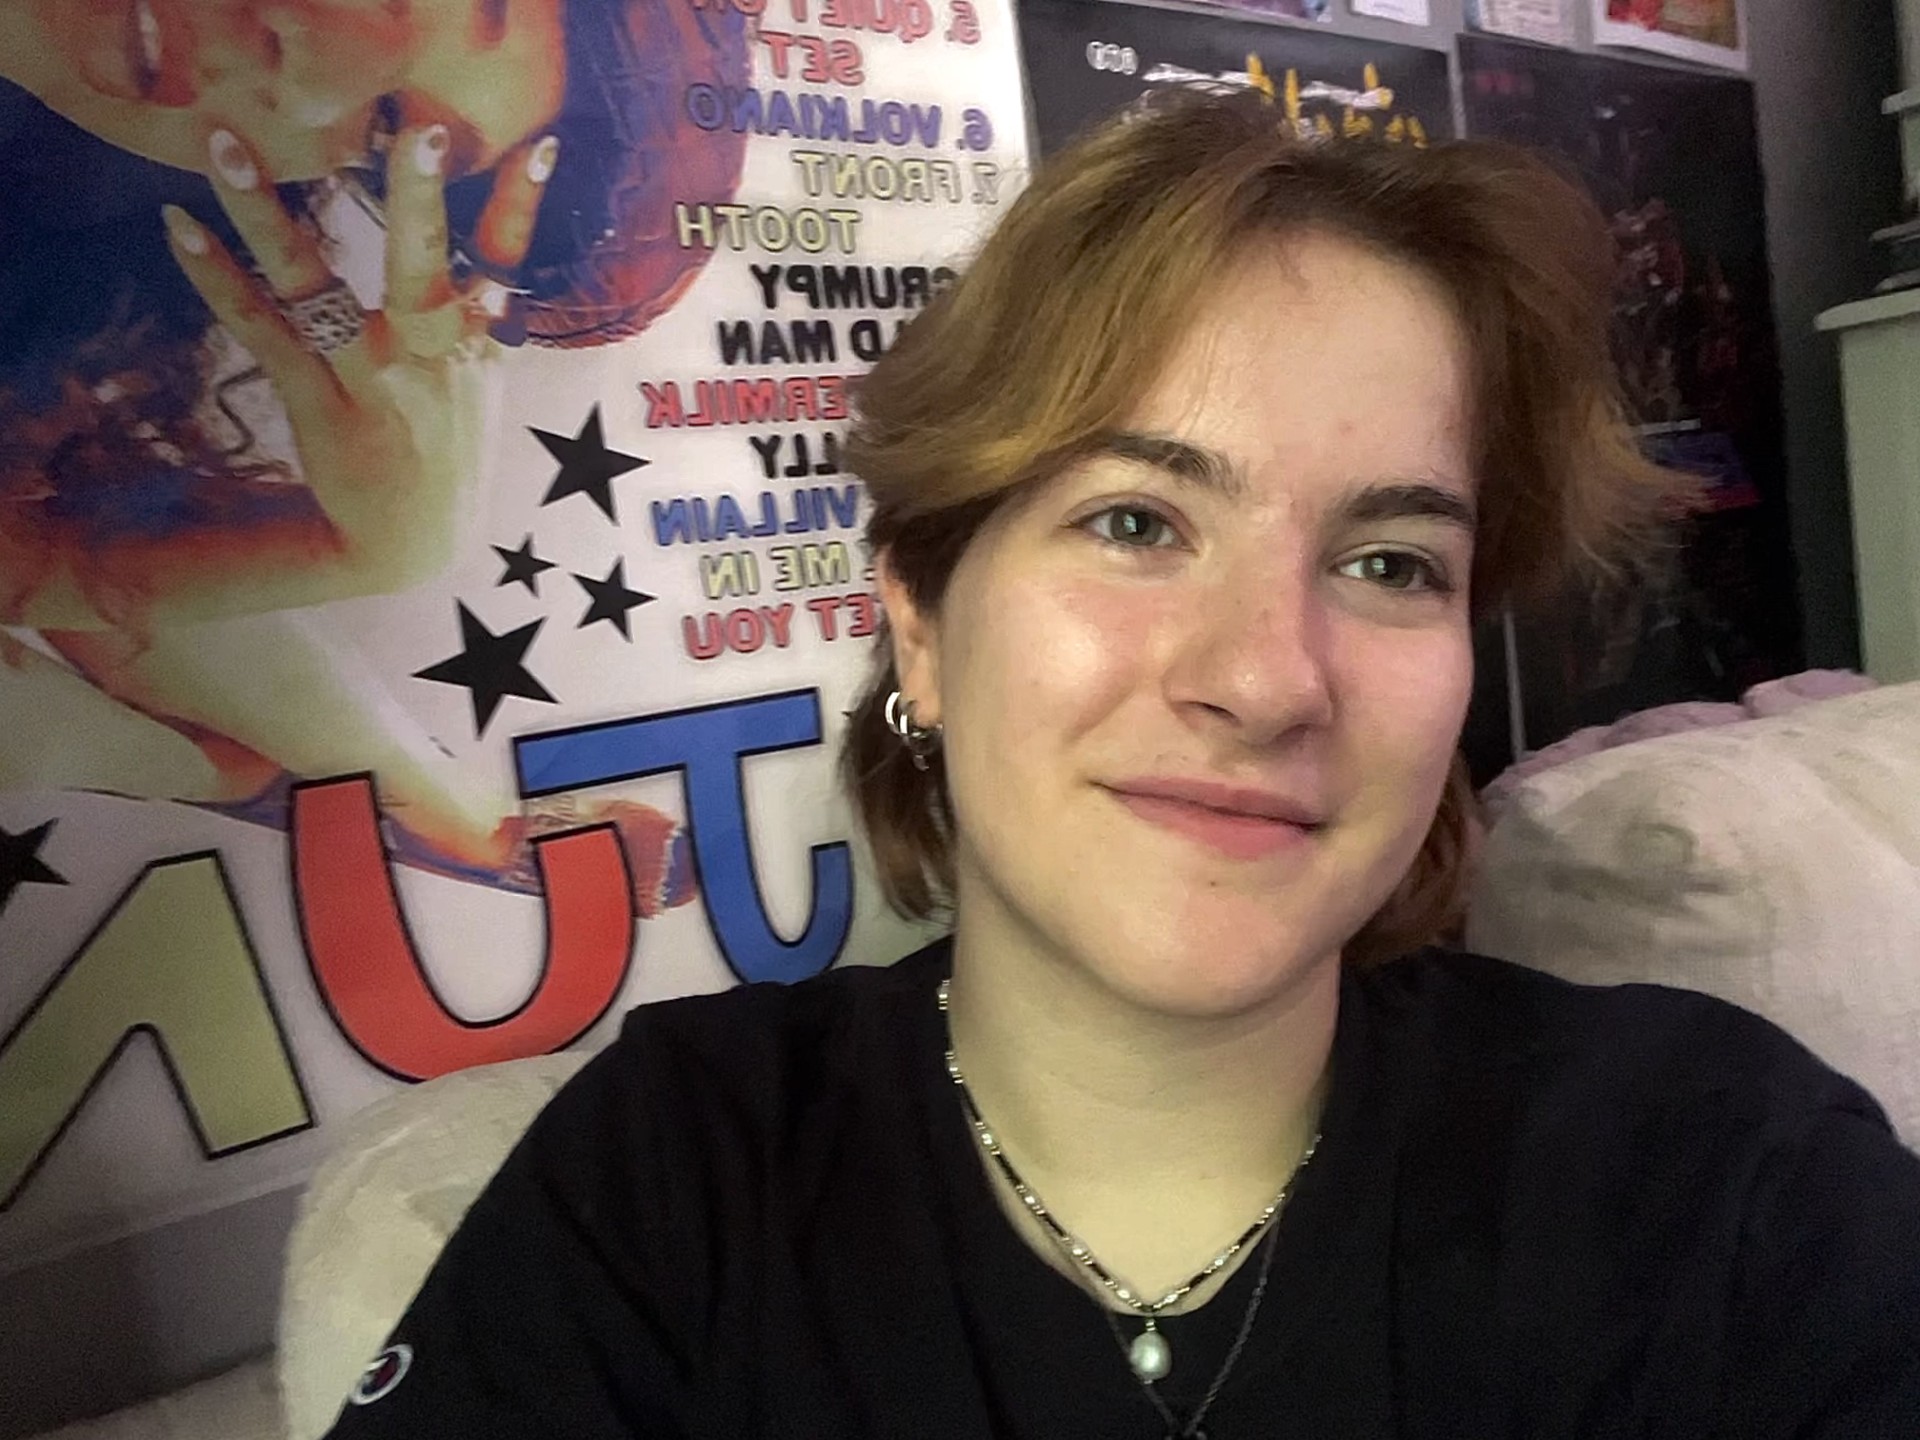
(1149, 1354)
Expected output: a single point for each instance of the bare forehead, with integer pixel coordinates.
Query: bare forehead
(1320, 295)
(1322, 354)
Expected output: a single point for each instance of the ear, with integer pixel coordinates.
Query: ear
(915, 637)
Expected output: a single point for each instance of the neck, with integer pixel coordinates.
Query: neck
(1154, 1138)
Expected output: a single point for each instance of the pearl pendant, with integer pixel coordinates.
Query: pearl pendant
(1150, 1355)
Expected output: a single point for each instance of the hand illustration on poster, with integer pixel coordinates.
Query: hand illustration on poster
(254, 436)
(463, 386)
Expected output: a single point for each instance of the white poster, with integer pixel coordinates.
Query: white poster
(1710, 32)
(429, 585)
(1549, 22)
(1406, 12)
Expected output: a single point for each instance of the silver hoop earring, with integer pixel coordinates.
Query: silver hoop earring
(920, 741)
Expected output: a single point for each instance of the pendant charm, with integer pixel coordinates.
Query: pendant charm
(1150, 1355)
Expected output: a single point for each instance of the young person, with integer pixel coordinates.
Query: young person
(1184, 499)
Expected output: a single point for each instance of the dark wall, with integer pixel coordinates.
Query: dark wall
(119, 1323)
(1833, 176)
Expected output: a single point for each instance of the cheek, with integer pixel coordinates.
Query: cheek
(1406, 694)
(1043, 660)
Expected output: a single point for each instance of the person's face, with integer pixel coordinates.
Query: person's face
(1201, 692)
(299, 80)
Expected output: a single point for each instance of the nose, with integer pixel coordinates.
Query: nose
(1253, 660)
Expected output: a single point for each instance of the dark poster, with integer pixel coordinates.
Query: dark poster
(1086, 61)
(1672, 159)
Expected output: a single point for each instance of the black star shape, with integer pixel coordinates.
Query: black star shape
(489, 666)
(611, 599)
(20, 862)
(587, 466)
(522, 565)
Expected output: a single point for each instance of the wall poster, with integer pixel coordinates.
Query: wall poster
(1087, 61)
(1550, 22)
(1280, 9)
(429, 588)
(1402, 12)
(1672, 159)
(1712, 32)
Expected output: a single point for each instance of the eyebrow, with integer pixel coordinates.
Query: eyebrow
(1192, 464)
(1410, 500)
(1197, 465)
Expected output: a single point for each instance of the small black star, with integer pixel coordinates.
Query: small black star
(489, 666)
(587, 466)
(522, 565)
(611, 599)
(20, 862)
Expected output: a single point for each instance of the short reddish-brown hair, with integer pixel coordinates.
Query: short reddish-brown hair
(1057, 330)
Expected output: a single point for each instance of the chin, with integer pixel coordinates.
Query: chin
(1201, 943)
(1176, 963)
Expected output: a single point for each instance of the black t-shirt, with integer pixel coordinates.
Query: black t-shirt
(1538, 1209)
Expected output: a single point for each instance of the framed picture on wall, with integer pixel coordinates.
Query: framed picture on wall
(1401, 12)
(1550, 22)
(1281, 9)
(1712, 32)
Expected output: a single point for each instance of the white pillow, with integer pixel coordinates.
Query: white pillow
(1775, 864)
(377, 1213)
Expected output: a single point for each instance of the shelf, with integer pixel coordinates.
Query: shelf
(1905, 230)
(1896, 306)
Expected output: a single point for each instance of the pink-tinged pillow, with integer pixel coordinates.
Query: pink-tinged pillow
(1773, 863)
(1774, 697)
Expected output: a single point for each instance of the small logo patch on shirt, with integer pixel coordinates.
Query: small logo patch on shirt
(381, 1378)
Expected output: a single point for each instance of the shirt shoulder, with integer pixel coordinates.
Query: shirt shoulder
(772, 1037)
(670, 1159)
(725, 1096)
(1635, 1044)
(1638, 1210)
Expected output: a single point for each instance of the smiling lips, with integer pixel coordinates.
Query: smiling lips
(1240, 824)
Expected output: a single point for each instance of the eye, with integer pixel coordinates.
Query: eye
(1137, 527)
(1398, 570)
